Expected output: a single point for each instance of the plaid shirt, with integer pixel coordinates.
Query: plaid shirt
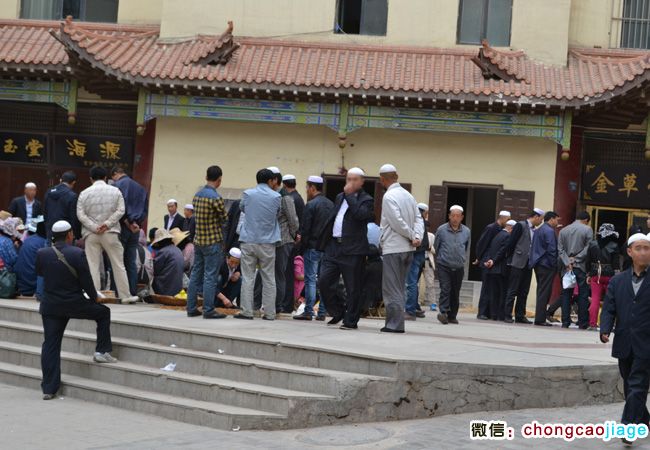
(210, 215)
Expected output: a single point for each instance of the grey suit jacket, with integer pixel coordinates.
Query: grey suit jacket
(573, 242)
(521, 248)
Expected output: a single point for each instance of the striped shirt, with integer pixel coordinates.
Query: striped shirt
(210, 216)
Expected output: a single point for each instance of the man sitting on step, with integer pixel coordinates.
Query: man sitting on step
(69, 294)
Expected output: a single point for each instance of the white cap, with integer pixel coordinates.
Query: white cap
(273, 169)
(172, 200)
(511, 222)
(235, 253)
(504, 213)
(189, 206)
(423, 206)
(637, 237)
(356, 171)
(387, 168)
(539, 212)
(288, 177)
(315, 179)
(456, 208)
(61, 226)
(30, 185)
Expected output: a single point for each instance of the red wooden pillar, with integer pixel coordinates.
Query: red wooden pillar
(144, 152)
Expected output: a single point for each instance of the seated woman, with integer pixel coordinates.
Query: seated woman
(10, 236)
(168, 265)
(229, 280)
(183, 241)
(25, 267)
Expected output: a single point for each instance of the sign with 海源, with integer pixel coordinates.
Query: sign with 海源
(88, 151)
(23, 147)
(616, 185)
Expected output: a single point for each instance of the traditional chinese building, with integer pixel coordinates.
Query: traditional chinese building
(489, 104)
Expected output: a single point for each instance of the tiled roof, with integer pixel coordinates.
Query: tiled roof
(138, 54)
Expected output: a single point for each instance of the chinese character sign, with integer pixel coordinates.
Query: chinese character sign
(616, 184)
(88, 151)
(23, 147)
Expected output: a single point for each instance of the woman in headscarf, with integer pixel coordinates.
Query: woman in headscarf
(10, 235)
(603, 262)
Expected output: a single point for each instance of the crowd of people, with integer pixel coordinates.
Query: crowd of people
(271, 251)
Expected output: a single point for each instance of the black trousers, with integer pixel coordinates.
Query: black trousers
(518, 286)
(544, 277)
(53, 329)
(282, 258)
(496, 291)
(289, 275)
(334, 265)
(450, 282)
(484, 297)
(636, 380)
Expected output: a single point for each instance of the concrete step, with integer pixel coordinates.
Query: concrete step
(246, 395)
(215, 365)
(203, 413)
(244, 347)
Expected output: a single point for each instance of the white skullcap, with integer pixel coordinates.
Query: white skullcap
(539, 212)
(235, 253)
(356, 171)
(315, 179)
(288, 177)
(504, 213)
(172, 200)
(423, 206)
(511, 222)
(387, 168)
(30, 185)
(61, 226)
(189, 206)
(273, 169)
(637, 237)
(456, 208)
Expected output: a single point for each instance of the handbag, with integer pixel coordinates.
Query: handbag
(7, 284)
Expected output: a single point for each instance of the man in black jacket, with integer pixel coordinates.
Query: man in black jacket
(173, 219)
(69, 294)
(317, 212)
(627, 304)
(27, 206)
(345, 243)
(61, 204)
(495, 262)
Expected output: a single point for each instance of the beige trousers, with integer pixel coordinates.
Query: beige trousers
(110, 243)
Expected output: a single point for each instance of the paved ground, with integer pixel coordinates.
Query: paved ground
(30, 423)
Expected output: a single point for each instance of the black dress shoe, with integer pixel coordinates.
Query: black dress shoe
(49, 396)
(267, 318)
(482, 317)
(522, 320)
(419, 314)
(509, 320)
(566, 325)
(442, 317)
(194, 313)
(320, 318)
(543, 324)
(241, 316)
(390, 330)
(452, 320)
(302, 316)
(214, 315)
(348, 327)
(334, 320)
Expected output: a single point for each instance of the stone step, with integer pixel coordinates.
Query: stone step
(220, 366)
(240, 346)
(196, 387)
(211, 414)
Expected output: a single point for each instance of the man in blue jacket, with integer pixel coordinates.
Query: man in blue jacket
(627, 304)
(543, 259)
(61, 204)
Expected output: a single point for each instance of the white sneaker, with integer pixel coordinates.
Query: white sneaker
(133, 299)
(103, 358)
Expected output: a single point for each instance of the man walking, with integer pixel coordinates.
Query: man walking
(345, 246)
(69, 294)
(259, 236)
(135, 204)
(402, 229)
(519, 245)
(99, 209)
(210, 216)
(451, 246)
(27, 206)
(312, 225)
(573, 248)
(543, 259)
(61, 204)
(627, 305)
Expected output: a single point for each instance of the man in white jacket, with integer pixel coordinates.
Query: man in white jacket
(402, 229)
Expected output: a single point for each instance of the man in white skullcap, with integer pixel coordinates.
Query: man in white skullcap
(317, 211)
(345, 246)
(519, 245)
(402, 229)
(229, 280)
(69, 293)
(172, 219)
(626, 305)
(26, 206)
(413, 309)
(451, 247)
(494, 263)
(189, 222)
(289, 186)
(482, 246)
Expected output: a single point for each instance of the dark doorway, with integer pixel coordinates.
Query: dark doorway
(617, 218)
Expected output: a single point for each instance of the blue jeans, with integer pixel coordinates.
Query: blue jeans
(583, 300)
(129, 241)
(207, 262)
(412, 278)
(312, 263)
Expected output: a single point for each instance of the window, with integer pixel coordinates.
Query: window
(485, 19)
(635, 24)
(85, 10)
(361, 17)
